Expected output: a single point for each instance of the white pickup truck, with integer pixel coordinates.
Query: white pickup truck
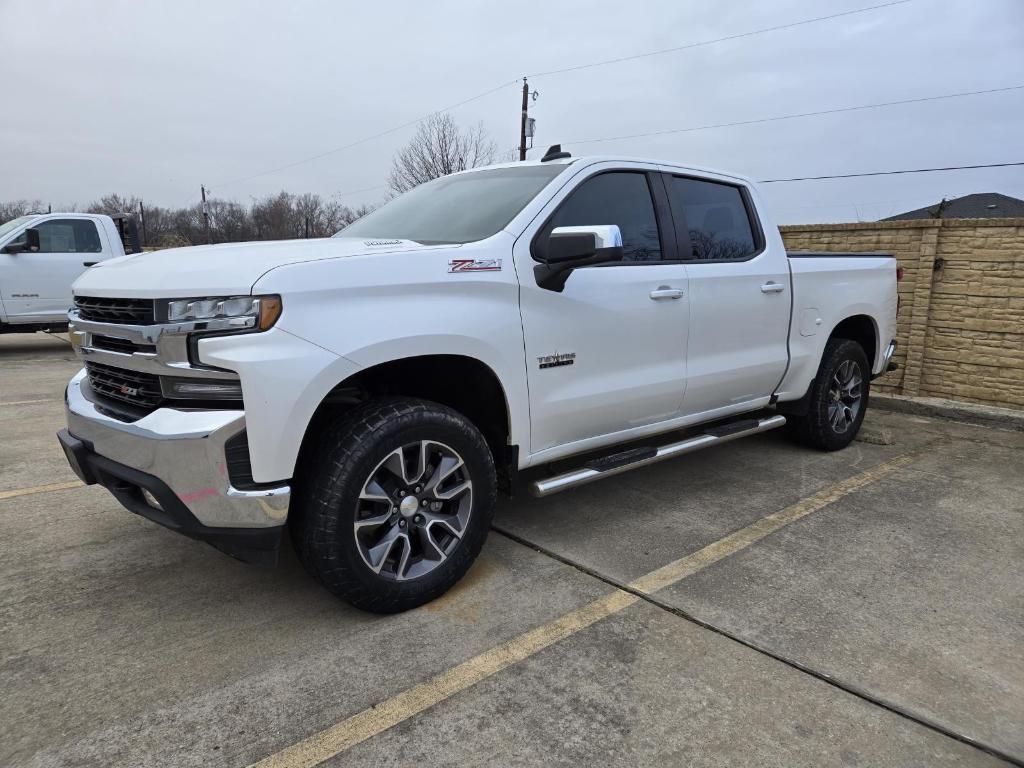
(42, 254)
(375, 390)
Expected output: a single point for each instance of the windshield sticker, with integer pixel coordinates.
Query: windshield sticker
(474, 265)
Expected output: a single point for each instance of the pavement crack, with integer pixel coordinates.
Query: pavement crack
(842, 685)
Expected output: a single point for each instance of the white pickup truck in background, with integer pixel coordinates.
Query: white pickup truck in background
(375, 390)
(42, 254)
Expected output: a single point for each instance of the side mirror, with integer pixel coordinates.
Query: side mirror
(30, 243)
(571, 247)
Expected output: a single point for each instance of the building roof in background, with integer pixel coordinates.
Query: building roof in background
(984, 205)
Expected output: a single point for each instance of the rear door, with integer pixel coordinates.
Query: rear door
(37, 285)
(607, 353)
(739, 297)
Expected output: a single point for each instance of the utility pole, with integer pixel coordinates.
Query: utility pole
(206, 214)
(522, 121)
(142, 224)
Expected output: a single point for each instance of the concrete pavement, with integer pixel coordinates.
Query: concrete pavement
(882, 627)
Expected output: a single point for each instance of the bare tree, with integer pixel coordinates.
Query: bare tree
(439, 147)
(324, 217)
(275, 217)
(114, 204)
(16, 208)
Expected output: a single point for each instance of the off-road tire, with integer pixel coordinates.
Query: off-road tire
(336, 465)
(815, 428)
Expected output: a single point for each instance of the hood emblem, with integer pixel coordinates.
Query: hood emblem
(474, 265)
(381, 242)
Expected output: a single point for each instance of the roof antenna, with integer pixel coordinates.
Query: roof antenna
(554, 153)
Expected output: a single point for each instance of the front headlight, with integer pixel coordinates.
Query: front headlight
(240, 311)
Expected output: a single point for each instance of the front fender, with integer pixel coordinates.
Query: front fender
(401, 305)
(284, 380)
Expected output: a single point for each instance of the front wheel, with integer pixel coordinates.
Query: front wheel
(838, 398)
(395, 503)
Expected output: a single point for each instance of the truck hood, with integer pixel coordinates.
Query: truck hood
(220, 270)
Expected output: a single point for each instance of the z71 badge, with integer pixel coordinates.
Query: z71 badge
(474, 265)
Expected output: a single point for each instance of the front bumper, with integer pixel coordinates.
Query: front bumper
(178, 458)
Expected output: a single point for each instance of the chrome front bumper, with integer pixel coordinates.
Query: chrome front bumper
(183, 449)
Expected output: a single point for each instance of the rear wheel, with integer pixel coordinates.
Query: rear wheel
(395, 504)
(838, 398)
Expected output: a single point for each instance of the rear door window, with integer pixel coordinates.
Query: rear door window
(716, 218)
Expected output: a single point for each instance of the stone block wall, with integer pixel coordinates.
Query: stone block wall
(960, 329)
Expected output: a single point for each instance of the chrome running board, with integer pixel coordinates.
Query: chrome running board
(617, 463)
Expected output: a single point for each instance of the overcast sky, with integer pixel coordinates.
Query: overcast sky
(154, 98)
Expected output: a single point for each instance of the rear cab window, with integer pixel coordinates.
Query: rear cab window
(716, 217)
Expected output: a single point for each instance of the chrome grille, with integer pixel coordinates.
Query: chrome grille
(139, 389)
(125, 346)
(122, 311)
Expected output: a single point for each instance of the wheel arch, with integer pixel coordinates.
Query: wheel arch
(858, 327)
(862, 329)
(465, 384)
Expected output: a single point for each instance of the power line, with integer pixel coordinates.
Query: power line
(357, 191)
(365, 139)
(716, 40)
(835, 111)
(814, 178)
(879, 204)
(802, 178)
(891, 173)
(488, 92)
(679, 130)
(843, 203)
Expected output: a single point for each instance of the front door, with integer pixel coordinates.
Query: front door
(608, 352)
(36, 286)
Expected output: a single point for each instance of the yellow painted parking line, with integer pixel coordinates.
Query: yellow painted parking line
(336, 739)
(38, 489)
(744, 537)
(347, 733)
(30, 402)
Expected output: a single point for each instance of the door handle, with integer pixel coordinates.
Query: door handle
(89, 263)
(664, 292)
(772, 287)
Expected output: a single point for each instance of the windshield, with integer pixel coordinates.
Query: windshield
(456, 209)
(14, 224)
